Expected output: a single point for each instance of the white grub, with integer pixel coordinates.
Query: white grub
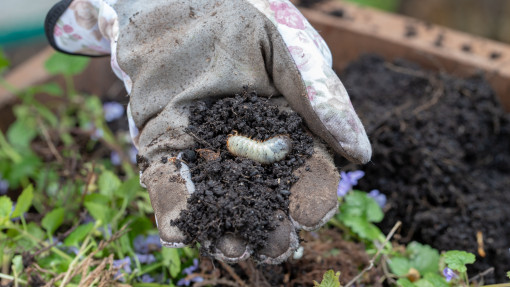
(264, 152)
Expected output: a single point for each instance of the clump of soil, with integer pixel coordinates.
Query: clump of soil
(441, 152)
(233, 194)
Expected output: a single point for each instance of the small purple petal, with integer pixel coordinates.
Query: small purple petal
(146, 278)
(4, 186)
(144, 245)
(449, 274)
(112, 111)
(124, 264)
(197, 279)
(354, 176)
(378, 197)
(115, 158)
(146, 258)
(97, 134)
(192, 268)
(133, 152)
(343, 188)
(183, 282)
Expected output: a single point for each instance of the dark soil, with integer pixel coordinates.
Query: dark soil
(235, 194)
(323, 250)
(441, 153)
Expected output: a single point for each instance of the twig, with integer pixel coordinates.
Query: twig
(435, 98)
(486, 272)
(233, 274)
(199, 139)
(379, 249)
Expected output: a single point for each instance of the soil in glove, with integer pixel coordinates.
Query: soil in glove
(442, 153)
(235, 194)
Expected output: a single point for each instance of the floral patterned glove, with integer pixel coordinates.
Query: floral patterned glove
(171, 53)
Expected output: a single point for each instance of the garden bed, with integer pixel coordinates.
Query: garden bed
(440, 144)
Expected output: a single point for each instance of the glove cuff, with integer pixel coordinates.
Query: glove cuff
(72, 28)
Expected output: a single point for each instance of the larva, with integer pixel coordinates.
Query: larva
(265, 152)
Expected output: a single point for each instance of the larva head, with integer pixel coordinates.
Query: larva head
(281, 144)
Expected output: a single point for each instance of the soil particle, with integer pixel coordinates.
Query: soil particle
(410, 31)
(466, 48)
(233, 194)
(441, 152)
(495, 55)
(309, 3)
(439, 40)
(340, 13)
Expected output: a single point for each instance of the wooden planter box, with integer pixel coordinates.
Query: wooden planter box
(350, 31)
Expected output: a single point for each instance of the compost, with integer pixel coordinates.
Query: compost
(234, 194)
(441, 152)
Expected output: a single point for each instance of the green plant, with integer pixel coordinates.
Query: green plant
(73, 217)
(329, 279)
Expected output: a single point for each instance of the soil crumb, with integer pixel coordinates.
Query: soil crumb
(441, 152)
(233, 194)
(410, 31)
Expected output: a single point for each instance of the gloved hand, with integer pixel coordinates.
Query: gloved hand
(171, 53)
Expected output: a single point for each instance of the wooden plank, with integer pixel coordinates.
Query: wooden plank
(27, 74)
(363, 30)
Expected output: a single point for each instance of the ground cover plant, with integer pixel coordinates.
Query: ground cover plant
(72, 213)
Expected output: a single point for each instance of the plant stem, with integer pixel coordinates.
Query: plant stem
(498, 285)
(9, 277)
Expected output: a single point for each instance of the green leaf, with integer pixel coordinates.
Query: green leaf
(4, 63)
(60, 63)
(436, 280)
(20, 134)
(100, 212)
(108, 183)
(129, 188)
(359, 204)
(363, 228)
(5, 208)
(457, 260)
(424, 283)
(24, 201)
(17, 264)
(508, 274)
(423, 258)
(52, 89)
(53, 220)
(329, 279)
(78, 234)
(97, 198)
(172, 260)
(399, 265)
(404, 282)
(26, 167)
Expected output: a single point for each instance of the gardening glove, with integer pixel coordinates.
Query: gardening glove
(172, 53)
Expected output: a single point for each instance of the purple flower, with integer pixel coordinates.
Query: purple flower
(144, 245)
(112, 111)
(4, 186)
(378, 197)
(145, 258)
(133, 151)
(115, 158)
(146, 278)
(449, 274)
(347, 181)
(97, 134)
(188, 279)
(189, 276)
(192, 268)
(124, 264)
